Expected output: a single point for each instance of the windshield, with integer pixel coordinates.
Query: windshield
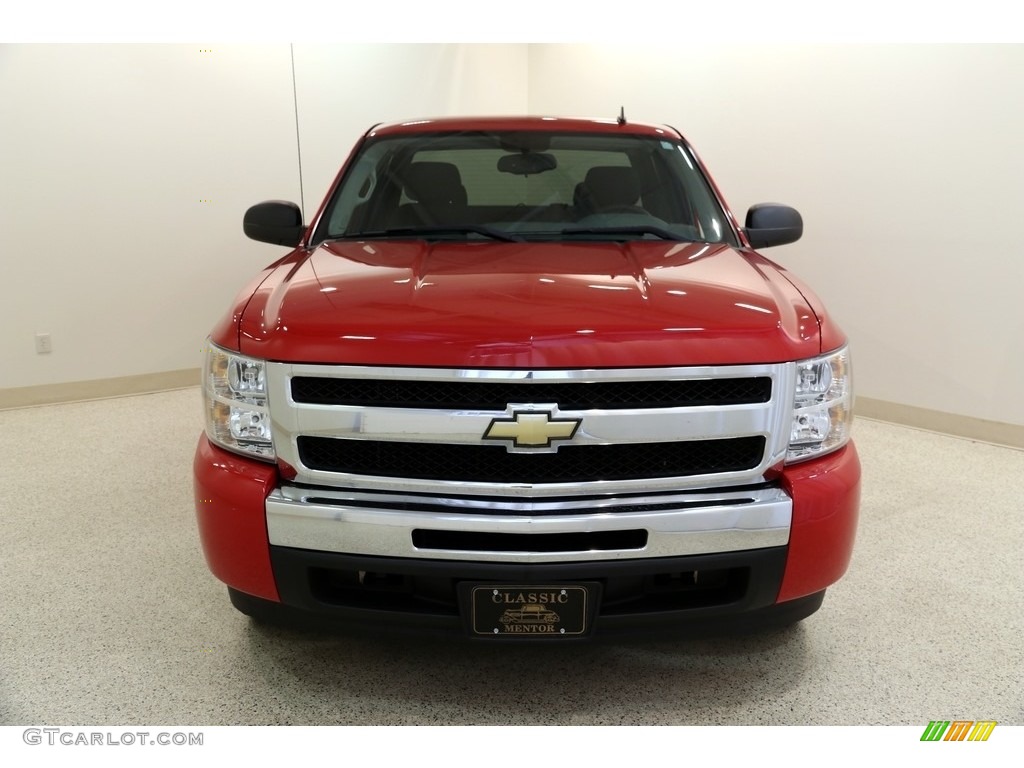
(524, 186)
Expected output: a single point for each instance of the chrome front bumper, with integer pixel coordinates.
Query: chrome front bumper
(383, 525)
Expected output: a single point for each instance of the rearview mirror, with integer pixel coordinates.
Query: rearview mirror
(527, 163)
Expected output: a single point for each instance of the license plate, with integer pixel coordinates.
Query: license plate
(531, 611)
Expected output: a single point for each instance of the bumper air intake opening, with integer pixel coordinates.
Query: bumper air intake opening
(466, 541)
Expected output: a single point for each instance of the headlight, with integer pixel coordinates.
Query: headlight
(822, 406)
(235, 396)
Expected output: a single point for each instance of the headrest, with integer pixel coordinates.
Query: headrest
(434, 183)
(612, 185)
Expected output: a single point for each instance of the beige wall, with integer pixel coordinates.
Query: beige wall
(907, 164)
(126, 170)
(342, 90)
(905, 160)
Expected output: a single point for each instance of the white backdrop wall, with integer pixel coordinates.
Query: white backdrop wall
(342, 90)
(124, 171)
(907, 163)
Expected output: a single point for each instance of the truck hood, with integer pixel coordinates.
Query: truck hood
(528, 305)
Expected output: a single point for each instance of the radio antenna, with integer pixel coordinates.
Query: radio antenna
(622, 116)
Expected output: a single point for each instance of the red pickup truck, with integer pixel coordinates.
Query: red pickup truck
(526, 361)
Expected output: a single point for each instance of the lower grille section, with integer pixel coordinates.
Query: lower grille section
(494, 464)
(639, 593)
(326, 582)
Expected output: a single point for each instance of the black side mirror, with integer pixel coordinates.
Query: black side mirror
(275, 221)
(771, 224)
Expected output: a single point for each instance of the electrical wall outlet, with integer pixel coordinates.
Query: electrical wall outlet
(44, 345)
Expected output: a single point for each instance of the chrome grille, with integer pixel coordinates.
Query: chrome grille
(422, 430)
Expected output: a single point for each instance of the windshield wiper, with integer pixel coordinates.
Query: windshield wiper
(439, 230)
(621, 233)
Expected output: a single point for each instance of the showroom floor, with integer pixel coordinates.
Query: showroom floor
(109, 615)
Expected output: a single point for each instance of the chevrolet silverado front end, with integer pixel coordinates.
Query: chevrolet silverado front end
(527, 362)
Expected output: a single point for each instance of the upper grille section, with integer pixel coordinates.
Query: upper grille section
(495, 396)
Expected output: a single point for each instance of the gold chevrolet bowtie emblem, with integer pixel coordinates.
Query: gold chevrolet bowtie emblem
(531, 429)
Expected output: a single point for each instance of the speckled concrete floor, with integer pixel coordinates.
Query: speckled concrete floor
(109, 615)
